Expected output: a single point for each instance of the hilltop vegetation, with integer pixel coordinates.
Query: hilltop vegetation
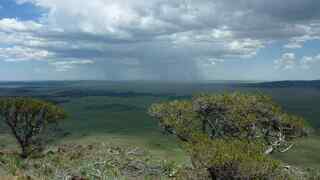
(231, 135)
(119, 115)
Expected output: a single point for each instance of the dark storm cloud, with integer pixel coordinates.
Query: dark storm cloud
(293, 10)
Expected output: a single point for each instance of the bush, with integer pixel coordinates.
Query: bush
(28, 119)
(231, 159)
(230, 135)
(235, 115)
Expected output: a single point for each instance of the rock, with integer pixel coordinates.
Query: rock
(136, 152)
(134, 168)
(154, 170)
(78, 178)
(7, 152)
(114, 150)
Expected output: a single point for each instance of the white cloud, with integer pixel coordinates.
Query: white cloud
(156, 35)
(312, 32)
(9, 25)
(126, 19)
(209, 61)
(17, 53)
(293, 45)
(216, 35)
(245, 48)
(63, 66)
(290, 61)
(307, 62)
(286, 62)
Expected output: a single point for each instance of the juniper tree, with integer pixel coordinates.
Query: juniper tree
(28, 119)
(234, 120)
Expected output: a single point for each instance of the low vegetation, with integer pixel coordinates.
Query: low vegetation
(28, 120)
(88, 162)
(231, 135)
(226, 136)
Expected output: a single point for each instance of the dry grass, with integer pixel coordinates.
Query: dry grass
(97, 161)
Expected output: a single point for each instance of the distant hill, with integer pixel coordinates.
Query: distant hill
(285, 84)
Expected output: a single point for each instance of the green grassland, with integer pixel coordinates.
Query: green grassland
(117, 113)
(133, 126)
(305, 153)
(118, 119)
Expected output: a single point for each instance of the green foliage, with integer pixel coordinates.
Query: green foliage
(236, 115)
(229, 135)
(176, 117)
(28, 119)
(230, 158)
(12, 163)
(246, 116)
(32, 107)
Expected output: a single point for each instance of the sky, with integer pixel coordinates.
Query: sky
(187, 40)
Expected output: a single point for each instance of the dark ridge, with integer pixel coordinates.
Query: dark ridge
(84, 93)
(285, 84)
(35, 84)
(114, 107)
(63, 96)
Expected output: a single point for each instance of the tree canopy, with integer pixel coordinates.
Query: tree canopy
(27, 119)
(222, 131)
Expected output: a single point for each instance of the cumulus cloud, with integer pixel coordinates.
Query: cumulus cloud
(307, 62)
(286, 62)
(16, 54)
(11, 25)
(291, 61)
(155, 38)
(63, 66)
(297, 42)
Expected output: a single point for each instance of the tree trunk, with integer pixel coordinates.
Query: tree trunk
(24, 152)
(204, 125)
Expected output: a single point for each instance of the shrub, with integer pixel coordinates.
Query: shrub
(230, 135)
(28, 119)
(235, 115)
(231, 159)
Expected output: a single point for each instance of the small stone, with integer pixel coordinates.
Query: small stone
(136, 152)
(78, 178)
(154, 170)
(134, 168)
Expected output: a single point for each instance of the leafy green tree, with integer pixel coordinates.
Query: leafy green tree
(231, 126)
(28, 119)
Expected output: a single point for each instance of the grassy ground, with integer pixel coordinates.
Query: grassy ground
(103, 161)
(123, 120)
(304, 154)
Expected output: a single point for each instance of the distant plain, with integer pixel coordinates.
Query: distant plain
(116, 112)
